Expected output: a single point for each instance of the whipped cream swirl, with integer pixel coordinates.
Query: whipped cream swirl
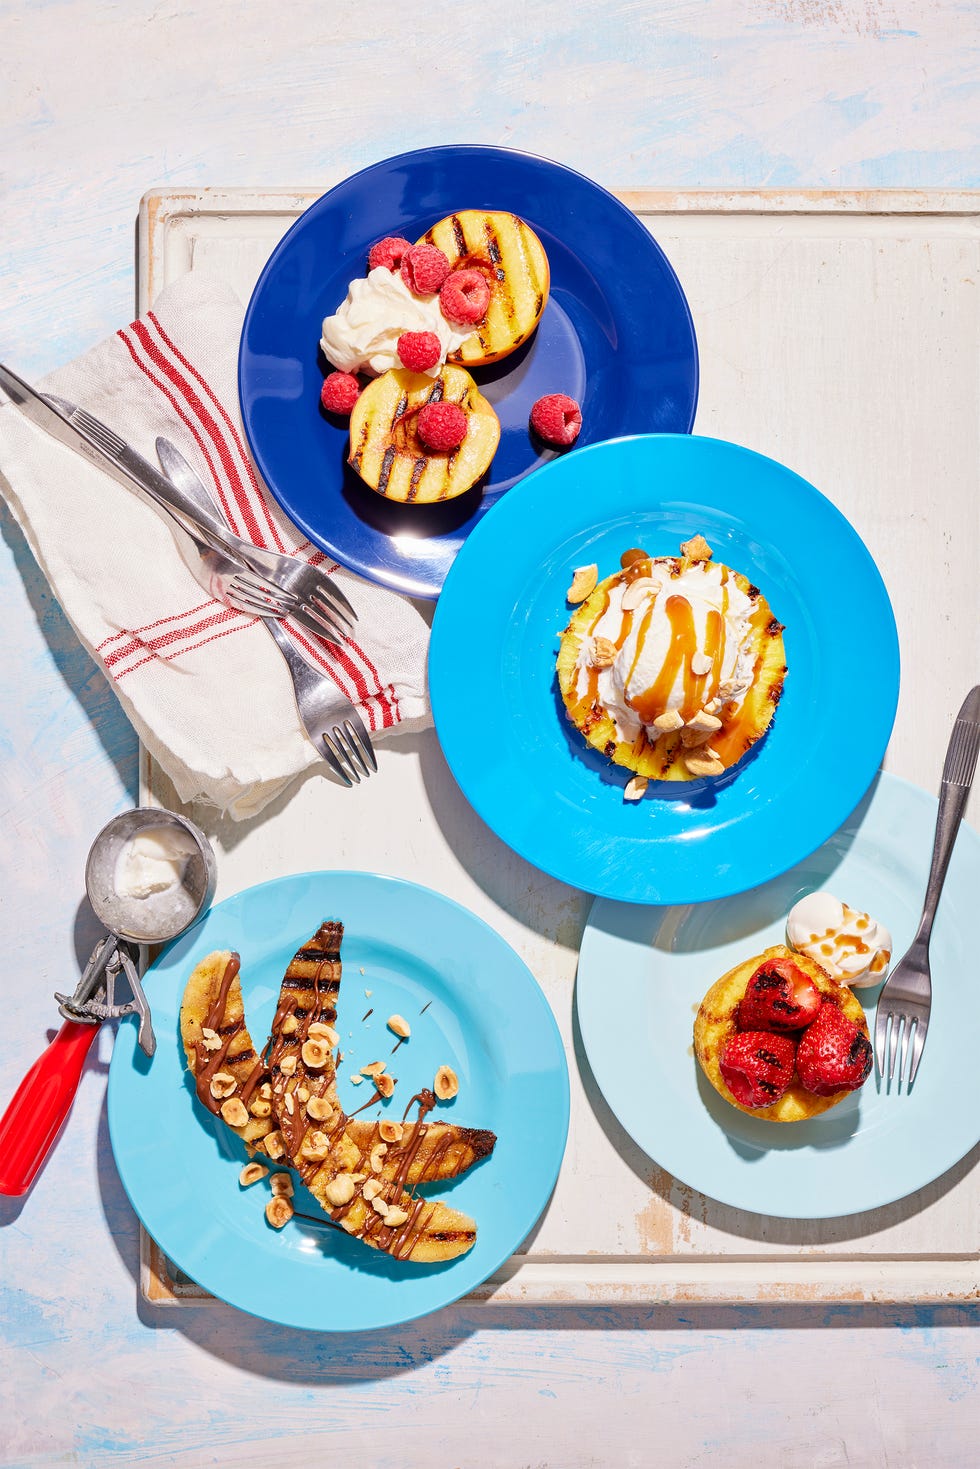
(854, 948)
(362, 335)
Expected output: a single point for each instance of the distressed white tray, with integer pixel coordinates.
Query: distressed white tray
(837, 333)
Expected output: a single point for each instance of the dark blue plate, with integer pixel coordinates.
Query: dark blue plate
(616, 334)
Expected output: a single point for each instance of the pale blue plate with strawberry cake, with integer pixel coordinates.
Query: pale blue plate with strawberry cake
(643, 972)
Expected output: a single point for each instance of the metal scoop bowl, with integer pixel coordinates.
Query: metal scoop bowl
(40, 1106)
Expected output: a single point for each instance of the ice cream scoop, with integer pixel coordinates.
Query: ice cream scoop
(149, 874)
(854, 948)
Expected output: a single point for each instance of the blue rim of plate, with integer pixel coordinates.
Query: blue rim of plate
(527, 771)
(652, 966)
(489, 1020)
(616, 334)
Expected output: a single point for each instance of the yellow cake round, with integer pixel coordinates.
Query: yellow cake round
(672, 667)
(715, 1024)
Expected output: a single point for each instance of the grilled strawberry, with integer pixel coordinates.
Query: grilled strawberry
(779, 996)
(758, 1066)
(834, 1054)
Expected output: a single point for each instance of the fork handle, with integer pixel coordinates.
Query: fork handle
(958, 772)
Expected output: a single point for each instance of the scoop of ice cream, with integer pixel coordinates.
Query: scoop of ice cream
(696, 619)
(362, 335)
(852, 946)
(152, 862)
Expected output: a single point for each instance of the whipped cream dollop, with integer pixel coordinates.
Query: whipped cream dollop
(362, 335)
(854, 948)
(152, 862)
(683, 621)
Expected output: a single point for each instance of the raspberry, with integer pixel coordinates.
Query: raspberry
(424, 268)
(757, 1066)
(464, 297)
(834, 1054)
(389, 252)
(779, 996)
(340, 392)
(442, 426)
(419, 350)
(556, 418)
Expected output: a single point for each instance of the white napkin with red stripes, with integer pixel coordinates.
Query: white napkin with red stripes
(205, 687)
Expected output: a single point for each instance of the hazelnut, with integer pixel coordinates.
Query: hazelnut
(318, 1031)
(319, 1109)
(251, 1173)
(289, 1103)
(265, 1090)
(391, 1132)
(210, 1039)
(234, 1112)
(316, 1147)
(374, 1068)
(446, 1083)
(290, 1025)
(340, 1190)
(372, 1188)
(399, 1026)
(385, 1084)
(315, 1055)
(377, 1157)
(288, 1065)
(261, 1108)
(279, 1211)
(282, 1185)
(222, 1084)
(396, 1216)
(274, 1145)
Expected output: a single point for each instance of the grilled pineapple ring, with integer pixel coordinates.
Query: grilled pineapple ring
(387, 452)
(715, 1024)
(510, 255)
(665, 757)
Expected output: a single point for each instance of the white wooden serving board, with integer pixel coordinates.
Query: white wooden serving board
(837, 333)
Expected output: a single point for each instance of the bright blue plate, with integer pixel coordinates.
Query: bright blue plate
(643, 972)
(529, 773)
(616, 335)
(487, 1019)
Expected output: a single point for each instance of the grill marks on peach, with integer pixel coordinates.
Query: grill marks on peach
(512, 258)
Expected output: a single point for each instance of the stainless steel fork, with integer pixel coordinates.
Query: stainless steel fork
(332, 724)
(905, 1002)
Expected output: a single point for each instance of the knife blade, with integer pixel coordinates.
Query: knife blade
(95, 441)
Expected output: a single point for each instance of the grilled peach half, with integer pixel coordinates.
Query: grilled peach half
(716, 1023)
(387, 452)
(512, 258)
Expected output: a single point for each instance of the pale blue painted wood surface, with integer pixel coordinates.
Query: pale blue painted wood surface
(103, 101)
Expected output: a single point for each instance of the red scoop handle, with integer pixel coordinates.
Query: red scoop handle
(40, 1105)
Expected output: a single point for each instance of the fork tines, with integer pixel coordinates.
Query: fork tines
(897, 1033)
(348, 753)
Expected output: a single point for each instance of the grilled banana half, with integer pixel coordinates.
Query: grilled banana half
(672, 667)
(387, 452)
(230, 1078)
(358, 1176)
(512, 258)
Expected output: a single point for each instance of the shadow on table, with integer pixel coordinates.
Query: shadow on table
(83, 678)
(282, 1354)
